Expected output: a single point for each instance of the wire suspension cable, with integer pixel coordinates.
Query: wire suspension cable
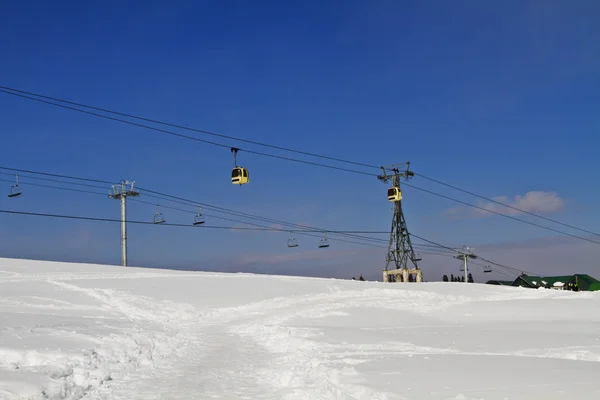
(245, 215)
(189, 137)
(503, 215)
(27, 95)
(506, 205)
(188, 128)
(428, 247)
(219, 209)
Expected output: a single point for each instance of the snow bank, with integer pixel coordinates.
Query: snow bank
(71, 331)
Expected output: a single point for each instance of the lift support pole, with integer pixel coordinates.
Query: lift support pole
(120, 192)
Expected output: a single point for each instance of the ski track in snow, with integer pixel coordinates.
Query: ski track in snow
(268, 349)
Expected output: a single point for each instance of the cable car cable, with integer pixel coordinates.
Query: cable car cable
(96, 193)
(192, 137)
(506, 205)
(254, 224)
(193, 129)
(407, 184)
(16, 92)
(503, 215)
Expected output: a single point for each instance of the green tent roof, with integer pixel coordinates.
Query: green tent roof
(583, 281)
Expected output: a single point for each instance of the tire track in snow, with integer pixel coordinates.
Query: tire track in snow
(304, 368)
(156, 333)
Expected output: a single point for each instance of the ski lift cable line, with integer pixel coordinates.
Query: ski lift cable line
(232, 220)
(180, 135)
(303, 232)
(212, 216)
(52, 180)
(417, 245)
(56, 175)
(190, 129)
(64, 216)
(254, 224)
(503, 215)
(54, 187)
(512, 270)
(506, 205)
(219, 209)
(19, 93)
(182, 200)
(481, 258)
(247, 215)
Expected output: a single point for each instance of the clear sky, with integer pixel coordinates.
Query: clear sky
(500, 98)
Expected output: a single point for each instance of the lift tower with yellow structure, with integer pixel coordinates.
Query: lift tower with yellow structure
(400, 249)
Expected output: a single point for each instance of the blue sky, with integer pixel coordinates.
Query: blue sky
(500, 98)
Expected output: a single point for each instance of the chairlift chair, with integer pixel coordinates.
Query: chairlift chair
(487, 269)
(158, 218)
(292, 242)
(324, 242)
(15, 189)
(199, 218)
(416, 257)
(394, 194)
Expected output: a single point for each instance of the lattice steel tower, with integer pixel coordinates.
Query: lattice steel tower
(400, 250)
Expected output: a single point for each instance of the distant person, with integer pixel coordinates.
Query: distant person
(353, 278)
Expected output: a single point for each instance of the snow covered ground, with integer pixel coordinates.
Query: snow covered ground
(73, 331)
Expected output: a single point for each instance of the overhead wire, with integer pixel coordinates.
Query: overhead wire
(168, 207)
(188, 128)
(254, 224)
(189, 137)
(503, 215)
(212, 216)
(506, 205)
(481, 258)
(53, 187)
(28, 94)
(305, 229)
(99, 219)
(260, 227)
(182, 200)
(19, 93)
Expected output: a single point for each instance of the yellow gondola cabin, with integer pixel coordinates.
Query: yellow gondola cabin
(239, 176)
(394, 194)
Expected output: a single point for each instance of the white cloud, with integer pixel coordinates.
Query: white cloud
(537, 202)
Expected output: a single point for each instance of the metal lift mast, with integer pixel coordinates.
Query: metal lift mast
(120, 192)
(400, 249)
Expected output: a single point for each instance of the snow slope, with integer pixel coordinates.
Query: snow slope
(73, 331)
